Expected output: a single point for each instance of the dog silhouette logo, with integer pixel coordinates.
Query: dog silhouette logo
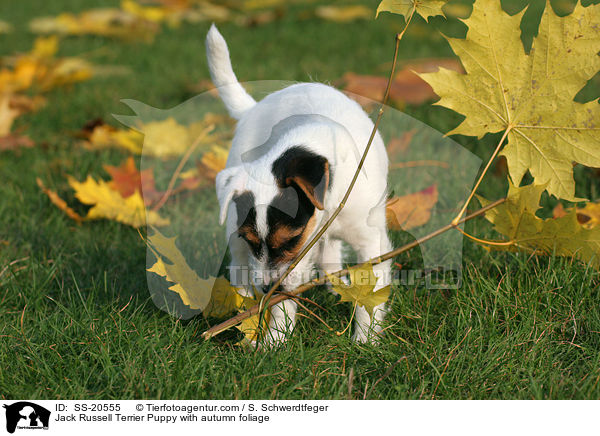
(26, 415)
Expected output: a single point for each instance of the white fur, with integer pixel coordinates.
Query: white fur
(327, 122)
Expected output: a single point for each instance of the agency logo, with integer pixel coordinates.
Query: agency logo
(26, 415)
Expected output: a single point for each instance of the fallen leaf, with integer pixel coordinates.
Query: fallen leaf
(213, 162)
(105, 136)
(194, 291)
(249, 5)
(406, 8)
(59, 202)
(531, 94)
(25, 103)
(399, 146)
(360, 290)
(588, 216)
(412, 210)
(343, 14)
(407, 87)
(13, 142)
(7, 115)
(127, 179)
(109, 22)
(225, 299)
(108, 203)
(41, 70)
(516, 219)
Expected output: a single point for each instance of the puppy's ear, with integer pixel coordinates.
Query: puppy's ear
(229, 182)
(306, 170)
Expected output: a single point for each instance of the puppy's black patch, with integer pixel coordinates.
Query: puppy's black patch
(286, 232)
(303, 169)
(246, 221)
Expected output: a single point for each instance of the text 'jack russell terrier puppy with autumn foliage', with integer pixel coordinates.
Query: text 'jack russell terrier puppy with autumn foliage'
(293, 156)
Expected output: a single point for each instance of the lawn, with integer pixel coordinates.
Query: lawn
(76, 318)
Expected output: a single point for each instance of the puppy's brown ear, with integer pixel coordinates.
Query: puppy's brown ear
(306, 170)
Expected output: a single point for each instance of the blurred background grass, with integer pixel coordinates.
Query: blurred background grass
(74, 309)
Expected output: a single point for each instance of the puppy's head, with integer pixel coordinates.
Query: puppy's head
(275, 223)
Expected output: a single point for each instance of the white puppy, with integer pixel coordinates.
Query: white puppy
(293, 156)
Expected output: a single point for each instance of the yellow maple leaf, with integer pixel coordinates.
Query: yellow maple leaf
(104, 136)
(45, 48)
(165, 138)
(425, 8)
(108, 203)
(564, 236)
(360, 289)
(151, 13)
(529, 94)
(194, 291)
(225, 299)
(253, 327)
(110, 22)
(343, 14)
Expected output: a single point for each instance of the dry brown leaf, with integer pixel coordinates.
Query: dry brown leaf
(413, 210)
(407, 87)
(13, 141)
(398, 146)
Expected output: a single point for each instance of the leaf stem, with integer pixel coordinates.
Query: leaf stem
(349, 322)
(487, 167)
(484, 241)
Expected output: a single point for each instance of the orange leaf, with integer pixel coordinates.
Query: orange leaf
(59, 202)
(407, 87)
(13, 141)
(413, 210)
(127, 179)
(398, 146)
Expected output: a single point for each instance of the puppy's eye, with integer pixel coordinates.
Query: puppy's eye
(290, 243)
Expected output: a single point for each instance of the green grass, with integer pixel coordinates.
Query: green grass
(76, 320)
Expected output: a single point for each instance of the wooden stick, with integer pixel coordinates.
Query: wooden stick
(213, 331)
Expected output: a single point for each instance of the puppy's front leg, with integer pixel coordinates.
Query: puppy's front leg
(283, 315)
(238, 267)
(367, 329)
(281, 324)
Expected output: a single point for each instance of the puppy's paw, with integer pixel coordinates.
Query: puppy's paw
(245, 292)
(366, 336)
(274, 339)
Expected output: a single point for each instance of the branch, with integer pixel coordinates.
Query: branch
(213, 331)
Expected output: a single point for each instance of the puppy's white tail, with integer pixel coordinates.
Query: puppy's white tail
(236, 99)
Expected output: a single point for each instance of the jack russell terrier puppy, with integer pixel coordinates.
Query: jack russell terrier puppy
(293, 156)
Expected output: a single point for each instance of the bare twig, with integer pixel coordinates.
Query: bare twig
(322, 280)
